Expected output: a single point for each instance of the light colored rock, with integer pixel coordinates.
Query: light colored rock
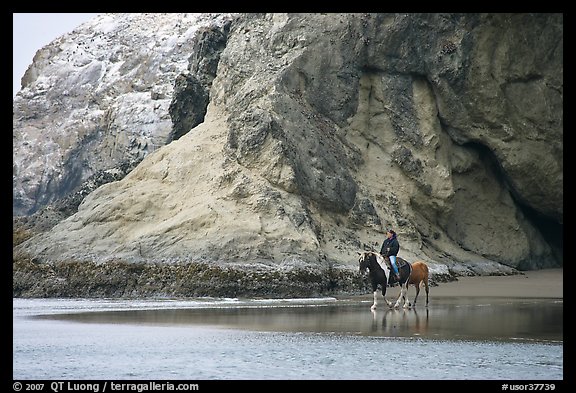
(324, 130)
(97, 97)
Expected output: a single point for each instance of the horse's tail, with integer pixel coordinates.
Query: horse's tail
(426, 273)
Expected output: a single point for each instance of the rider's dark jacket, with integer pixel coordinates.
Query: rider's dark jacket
(390, 247)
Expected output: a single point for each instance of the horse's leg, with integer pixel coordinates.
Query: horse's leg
(375, 301)
(384, 296)
(383, 288)
(402, 295)
(404, 280)
(375, 291)
(406, 300)
(417, 292)
(426, 287)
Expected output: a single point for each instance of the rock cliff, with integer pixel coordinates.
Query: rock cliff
(97, 98)
(294, 141)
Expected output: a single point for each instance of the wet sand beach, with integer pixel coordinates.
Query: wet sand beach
(546, 283)
(496, 327)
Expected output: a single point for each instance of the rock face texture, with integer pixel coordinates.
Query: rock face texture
(96, 98)
(296, 140)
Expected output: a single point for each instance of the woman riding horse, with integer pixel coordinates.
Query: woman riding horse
(390, 248)
(410, 274)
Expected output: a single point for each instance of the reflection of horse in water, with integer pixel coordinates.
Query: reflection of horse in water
(400, 322)
(379, 272)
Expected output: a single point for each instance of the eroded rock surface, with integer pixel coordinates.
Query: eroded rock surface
(321, 131)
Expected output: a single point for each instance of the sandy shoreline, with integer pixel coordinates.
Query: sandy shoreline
(546, 283)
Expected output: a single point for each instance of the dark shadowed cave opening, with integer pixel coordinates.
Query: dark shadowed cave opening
(552, 231)
(549, 229)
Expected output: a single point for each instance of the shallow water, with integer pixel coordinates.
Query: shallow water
(454, 338)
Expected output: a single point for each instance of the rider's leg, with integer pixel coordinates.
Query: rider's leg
(393, 263)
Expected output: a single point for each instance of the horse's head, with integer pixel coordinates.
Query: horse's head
(364, 260)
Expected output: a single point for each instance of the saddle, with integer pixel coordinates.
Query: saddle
(401, 263)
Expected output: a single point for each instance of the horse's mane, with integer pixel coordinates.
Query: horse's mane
(379, 259)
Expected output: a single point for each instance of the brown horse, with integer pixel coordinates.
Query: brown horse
(418, 276)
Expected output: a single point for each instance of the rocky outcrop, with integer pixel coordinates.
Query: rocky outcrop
(192, 89)
(45, 218)
(321, 131)
(97, 97)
